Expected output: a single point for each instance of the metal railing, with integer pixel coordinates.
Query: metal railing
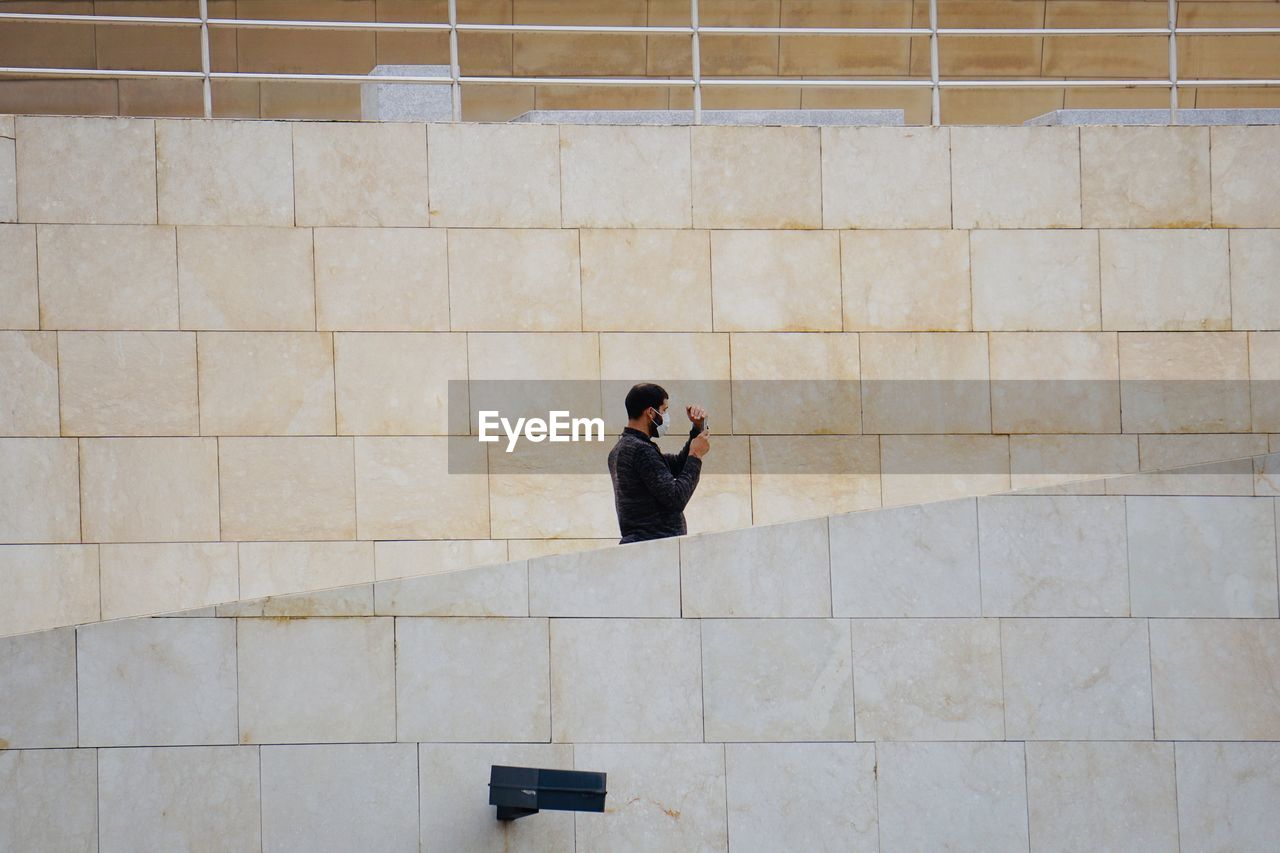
(695, 31)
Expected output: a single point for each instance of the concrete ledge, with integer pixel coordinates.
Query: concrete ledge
(1191, 117)
(406, 101)
(807, 118)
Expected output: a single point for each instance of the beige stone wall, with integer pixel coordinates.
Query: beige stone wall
(524, 54)
(226, 345)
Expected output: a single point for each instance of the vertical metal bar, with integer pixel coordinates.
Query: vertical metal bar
(454, 73)
(933, 63)
(697, 64)
(207, 88)
(1173, 61)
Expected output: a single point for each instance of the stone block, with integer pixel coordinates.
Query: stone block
(636, 580)
(162, 577)
(778, 571)
(514, 280)
(316, 680)
(1055, 382)
(86, 169)
(1213, 679)
(501, 590)
(277, 568)
(783, 281)
(48, 799)
(1015, 177)
(625, 177)
(154, 489)
(673, 267)
(1053, 556)
(120, 277)
(355, 173)
(1076, 679)
(777, 680)
(460, 679)
(625, 680)
(382, 279)
(905, 280)
(19, 296)
(1165, 280)
(927, 679)
(1035, 280)
(1202, 556)
(494, 175)
(1144, 177)
(41, 499)
(406, 490)
(393, 383)
(157, 682)
(760, 177)
(862, 184)
(48, 586)
(224, 172)
(38, 690)
(246, 279)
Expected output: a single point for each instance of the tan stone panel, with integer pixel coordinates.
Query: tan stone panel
(29, 384)
(287, 487)
(738, 98)
(1231, 55)
(57, 97)
(1194, 464)
(1264, 373)
(625, 176)
(1101, 55)
(40, 501)
(381, 279)
(571, 97)
(1246, 176)
(527, 549)
(999, 106)
(1015, 177)
(528, 502)
(225, 172)
(241, 279)
(693, 368)
(564, 370)
(1231, 96)
(19, 297)
(372, 173)
(312, 51)
(1034, 280)
(397, 383)
(672, 268)
(8, 181)
(266, 383)
(776, 281)
(406, 558)
(796, 383)
(496, 176)
(914, 101)
(864, 184)
(478, 53)
(1109, 97)
(925, 383)
(140, 579)
(162, 48)
(1144, 177)
(980, 56)
(287, 99)
(149, 489)
(492, 102)
(568, 54)
(405, 490)
(795, 477)
(1165, 280)
(47, 586)
(185, 98)
(514, 280)
(720, 55)
(757, 177)
(86, 170)
(128, 383)
(918, 468)
(276, 568)
(849, 55)
(107, 277)
(1157, 394)
(1055, 382)
(1255, 292)
(52, 45)
(6, 126)
(904, 280)
(1070, 464)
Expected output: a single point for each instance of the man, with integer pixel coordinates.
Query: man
(651, 488)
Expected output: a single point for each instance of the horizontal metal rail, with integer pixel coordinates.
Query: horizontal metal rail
(456, 79)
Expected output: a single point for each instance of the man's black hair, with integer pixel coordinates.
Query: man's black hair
(642, 396)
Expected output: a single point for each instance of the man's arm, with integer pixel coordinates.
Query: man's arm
(672, 490)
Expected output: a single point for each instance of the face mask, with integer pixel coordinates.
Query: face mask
(666, 422)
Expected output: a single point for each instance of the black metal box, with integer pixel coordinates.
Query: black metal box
(520, 791)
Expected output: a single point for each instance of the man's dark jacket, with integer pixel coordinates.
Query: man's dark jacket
(651, 488)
